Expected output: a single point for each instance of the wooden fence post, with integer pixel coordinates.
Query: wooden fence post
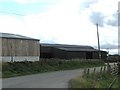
(104, 69)
(94, 70)
(88, 71)
(118, 68)
(84, 73)
(101, 70)
(108, 68)
(118, 73)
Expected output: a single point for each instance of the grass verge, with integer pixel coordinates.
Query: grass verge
(24, 68)
(96, 80)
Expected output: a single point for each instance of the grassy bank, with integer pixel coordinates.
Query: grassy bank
(93, 81)
(24, 68)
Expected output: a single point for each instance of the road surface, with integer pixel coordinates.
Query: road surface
(57, 79)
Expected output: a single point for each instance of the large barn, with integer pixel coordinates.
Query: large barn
(70, 51)
(18, 48)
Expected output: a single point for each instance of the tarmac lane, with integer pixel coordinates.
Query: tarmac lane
(56, 79)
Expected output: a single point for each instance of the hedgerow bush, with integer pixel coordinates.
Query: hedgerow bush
(10, 69)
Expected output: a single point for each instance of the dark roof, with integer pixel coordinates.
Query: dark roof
(70, 47)
(77, 49)
(15, 36)
(67, 46)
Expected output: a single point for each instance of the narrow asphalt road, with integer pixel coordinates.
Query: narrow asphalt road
(58, 79)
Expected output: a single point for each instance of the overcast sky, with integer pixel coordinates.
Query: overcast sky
(63, 21)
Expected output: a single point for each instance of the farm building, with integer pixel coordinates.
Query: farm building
(19, 48)
(16, 47)
(70, 51)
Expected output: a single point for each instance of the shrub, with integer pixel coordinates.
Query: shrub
(44, 65)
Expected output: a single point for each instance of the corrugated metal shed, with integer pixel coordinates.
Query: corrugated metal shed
(14, 45)
(69, 51)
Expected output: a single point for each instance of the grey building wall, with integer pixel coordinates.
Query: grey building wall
(57, 53)
(20, 47)
(96, 55)
(77, 54)
(16, 49)
(46, 52)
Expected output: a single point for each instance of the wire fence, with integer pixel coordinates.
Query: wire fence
(109, 69)
(114, 70)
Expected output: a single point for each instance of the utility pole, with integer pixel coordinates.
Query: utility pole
(98, 42)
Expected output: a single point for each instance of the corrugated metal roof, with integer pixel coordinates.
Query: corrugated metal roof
(70, 47)
(77, 49)
(15, 36)
(67, 46)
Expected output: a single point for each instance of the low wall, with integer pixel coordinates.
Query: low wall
(19, 58)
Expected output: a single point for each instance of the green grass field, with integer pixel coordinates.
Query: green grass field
(25, 68)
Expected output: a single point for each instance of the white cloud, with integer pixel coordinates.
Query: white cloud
(29, 1)
(10, 24)
(63, 23)
(107, 7)
(113, 51)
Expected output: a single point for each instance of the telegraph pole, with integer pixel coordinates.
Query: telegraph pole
(98, 42)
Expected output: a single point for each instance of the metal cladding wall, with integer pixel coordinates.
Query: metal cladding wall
(57, 53)
(20, 47)
(70, 52)
(76, 54)
(46, 52)
(20, 50)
